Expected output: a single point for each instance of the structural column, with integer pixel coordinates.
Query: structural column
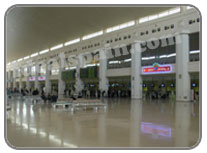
(20, 79)
(61, 83)
(9, 79)
(47, 81)
(103, 80)
(28, 85)
(79, 82)
(14, 78)
(182, 75)
(37, 71)
(136, 78)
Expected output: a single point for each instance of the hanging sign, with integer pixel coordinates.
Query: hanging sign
(157, 69)
(32, 78)
(41, 78)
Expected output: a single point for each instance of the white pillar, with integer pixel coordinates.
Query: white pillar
(61, 83)
(135, 122)
(9, 79)
(47, 81)
(136, 78)
(103, 80)
(28, 85)
(183, 124)
(79, 82)
(37, 71)
(20, 78)
(14, 78)
(182, 75)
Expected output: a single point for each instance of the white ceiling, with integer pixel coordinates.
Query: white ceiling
(32, 29)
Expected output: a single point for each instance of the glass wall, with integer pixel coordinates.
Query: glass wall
(194, 52)
(161, 51)
(121, 58)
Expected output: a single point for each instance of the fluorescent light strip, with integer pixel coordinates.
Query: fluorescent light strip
(72, 42)
(89, 65)
(144, 19)
(153, 17)
(14, 62)
(163, 56)
(19, 59)
(33, 55)
(127, 60)
(9, 63)
(194, 51)
(92, 35)
(171, 55)
(189, 7)
(72, 68)
(44, 51)
(121, 26)
(56, 47)
(163, 14)
(148, 58)
(175, 10)
(114, 62)
(26, 57)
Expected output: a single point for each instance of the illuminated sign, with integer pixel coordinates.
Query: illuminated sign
(157, 69)
(32, 78)
(155, 129)
(41, 78)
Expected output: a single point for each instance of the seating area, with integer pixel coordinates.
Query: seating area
(79, 104)
(64, 102)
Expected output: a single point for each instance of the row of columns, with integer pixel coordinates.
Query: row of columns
(182, 74)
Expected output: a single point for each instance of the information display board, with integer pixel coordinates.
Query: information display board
(68, 75)
(89, 72)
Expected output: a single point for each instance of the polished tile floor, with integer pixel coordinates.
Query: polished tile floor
(125, 123)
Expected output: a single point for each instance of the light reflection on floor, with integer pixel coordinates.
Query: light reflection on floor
(126, 123)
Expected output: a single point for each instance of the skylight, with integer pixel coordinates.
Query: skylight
(19, 59)
(175, 10)
(33, 55)
(162, 14)
(26, 57)
(92, 35)
(189, 7)
(44, 51)
(121, 26)
(72, 42)
(56, 47)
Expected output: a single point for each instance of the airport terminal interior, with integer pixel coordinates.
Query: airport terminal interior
(103, 77)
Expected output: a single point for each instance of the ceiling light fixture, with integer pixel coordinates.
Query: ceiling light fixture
(56, 47)
(33, 55)
(44, 51)
(72, 42)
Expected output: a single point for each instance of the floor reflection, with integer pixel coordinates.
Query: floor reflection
(126, 123)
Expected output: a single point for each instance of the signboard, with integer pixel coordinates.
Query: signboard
(155, 129)
(89, 72)
(68, 75)
(32, 78)
(157, 69)
(41, 78)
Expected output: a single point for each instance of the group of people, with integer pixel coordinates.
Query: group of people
(97, 93)
(35, 92)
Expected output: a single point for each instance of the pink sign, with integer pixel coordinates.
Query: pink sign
(41, 78)
(155, 129)
(32, 78)
(157, 69)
